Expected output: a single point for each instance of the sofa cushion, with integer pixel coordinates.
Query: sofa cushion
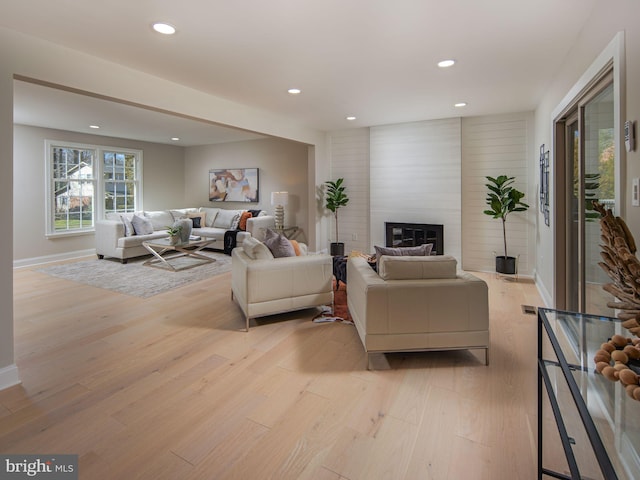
(136, 240)
(417, 267)
(256, 250)
(142, 225)
(279, 245)
(210, 215)
(160, 219)
(179, 213)
(420, 250)
(225, 218)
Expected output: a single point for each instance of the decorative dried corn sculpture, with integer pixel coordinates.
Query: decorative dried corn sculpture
(620, 263)
(622, 266)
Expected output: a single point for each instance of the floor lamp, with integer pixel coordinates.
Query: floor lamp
(279, 200)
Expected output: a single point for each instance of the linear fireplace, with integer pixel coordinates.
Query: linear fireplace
(414, 234)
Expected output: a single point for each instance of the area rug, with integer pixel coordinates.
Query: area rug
(135, 279)
(340, 311)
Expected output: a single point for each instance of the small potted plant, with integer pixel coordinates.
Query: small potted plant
(504, 199)
(336, 198)
(174, 234)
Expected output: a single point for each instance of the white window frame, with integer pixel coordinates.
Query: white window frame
(98, 180)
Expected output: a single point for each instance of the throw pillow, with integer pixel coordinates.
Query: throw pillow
(417, 267)
(235, 224)
(279, 245)
(242, 225)
(256, 250)
(128, 226)
(424, 249)
(198, 219)
(141, 225)
(296, 247)
(225, 218)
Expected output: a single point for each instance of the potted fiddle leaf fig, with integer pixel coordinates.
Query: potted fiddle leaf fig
(502, 200)
(336, 198)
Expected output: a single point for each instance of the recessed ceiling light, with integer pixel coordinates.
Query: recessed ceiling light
(446, 63)
(94, 126)
(175, 139)
(460, 104)
(164, 28)
(351, 118)
(294, 91)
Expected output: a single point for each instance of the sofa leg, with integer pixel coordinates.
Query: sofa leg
(377, 361)
(486, 356)
(100, 257)
(247, 325)
(124, 261)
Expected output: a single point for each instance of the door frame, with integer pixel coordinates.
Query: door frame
(611, 59)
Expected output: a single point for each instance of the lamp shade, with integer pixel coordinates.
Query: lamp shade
(279, 198)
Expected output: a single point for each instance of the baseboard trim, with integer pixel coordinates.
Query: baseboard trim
(9, 377)
(30, 262)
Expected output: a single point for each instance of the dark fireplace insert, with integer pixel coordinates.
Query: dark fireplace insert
(414, 234)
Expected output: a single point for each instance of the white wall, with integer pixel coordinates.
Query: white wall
(8, 369)
(282, 164)
(497, 145)
(607, 19)
(434, 172)
(163, 180)
(415, 175)
(350, 160)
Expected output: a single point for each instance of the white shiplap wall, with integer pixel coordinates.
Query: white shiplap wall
(415, 172)
(496, 145)
(349, 150)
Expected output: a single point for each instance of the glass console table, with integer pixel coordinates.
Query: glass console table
(588, 427)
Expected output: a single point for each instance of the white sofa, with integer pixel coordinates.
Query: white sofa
(263, 285)
(417, 303)
(112, 239)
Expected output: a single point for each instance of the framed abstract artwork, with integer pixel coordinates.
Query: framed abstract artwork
(544, 183)
(233, 185)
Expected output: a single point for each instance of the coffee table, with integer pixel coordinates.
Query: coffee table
(160, 246)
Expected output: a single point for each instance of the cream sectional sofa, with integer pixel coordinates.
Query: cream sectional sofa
(417, 303)
(114, 239)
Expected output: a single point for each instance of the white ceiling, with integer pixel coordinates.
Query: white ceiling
(375, 59)
(41, 106)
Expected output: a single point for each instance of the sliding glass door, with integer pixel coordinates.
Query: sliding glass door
(590, 159)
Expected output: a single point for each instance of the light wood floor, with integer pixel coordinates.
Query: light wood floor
(171, 387)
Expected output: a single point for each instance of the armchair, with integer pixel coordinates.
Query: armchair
(263, 285)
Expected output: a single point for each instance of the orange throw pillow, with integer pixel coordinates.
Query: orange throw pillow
(242, 225)
(296, 247)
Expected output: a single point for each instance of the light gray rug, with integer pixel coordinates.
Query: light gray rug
(135, 279)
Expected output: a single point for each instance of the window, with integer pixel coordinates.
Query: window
(81, 188)
(120, 174)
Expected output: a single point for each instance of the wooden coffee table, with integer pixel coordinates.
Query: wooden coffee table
(160, 246)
